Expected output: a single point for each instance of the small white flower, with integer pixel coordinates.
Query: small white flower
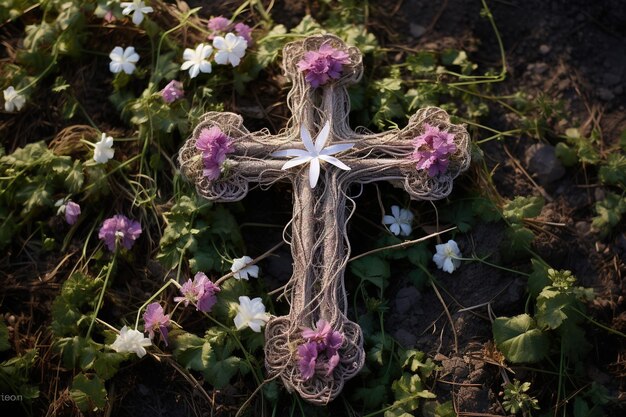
(447, 256)
(242, 268)
(130, 340)
(251, 313)
(123, 60)
(137, 8)
(13, 101)
(196, 60)
(400, 221)
(315, 153)
(230, 49)
(103, 150)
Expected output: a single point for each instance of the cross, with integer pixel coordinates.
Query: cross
(319, 244)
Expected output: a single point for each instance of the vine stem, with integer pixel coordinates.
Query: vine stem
(101, 297)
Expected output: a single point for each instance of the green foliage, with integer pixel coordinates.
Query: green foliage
(518, 237)
(197, 231)
(88, 392)
(372, 269)
(521, 208)
(582, 146)
(14, 375)
(212, 356)
(519, 339)
(517, 399)
(71, 308)
(609, 213)
(613, 171)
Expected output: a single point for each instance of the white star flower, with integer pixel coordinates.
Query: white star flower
(13, 101)
(123, 60)
(251, 313)
(130, 340)
(103, 150)
(447, 256)
(196, 60)
(400, 221)
(315, 153)
(242, 268)
(137, 8)
(230, 49)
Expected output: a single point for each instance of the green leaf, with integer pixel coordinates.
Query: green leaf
(522, 208)
(15, 375)
(566, 154)
(373, 269)
(75, 178)
(191, 351)
(538, 279)
(519, 339)
(613, 172)
(421, 63)
(518, 241)
(408, 390)
(307, 26)
(270, 45)
(371, 397)
(88, 392)
(107, 364)
(4, 336)
(610, 211)
(219, 373)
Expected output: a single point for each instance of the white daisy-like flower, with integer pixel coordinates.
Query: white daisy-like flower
(123, 60)
(230, 49)
(447, 256)
(251, 313)
(138, 8)
(315, 153)
(13, 101)
(400, 221)
(196, 60)
(131, 341)
(242, 268)
(103, 150)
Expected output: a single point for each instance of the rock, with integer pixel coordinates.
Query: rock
(408, 299)
(541, 161)
(583, 228)
(405, 338)
(416, 30)
(544, 49)
(605, 94)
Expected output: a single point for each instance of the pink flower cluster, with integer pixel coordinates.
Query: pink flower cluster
(172, 92)
(432, 150)
(119, 229)
(202, 292)
(322, 65)
(220, 25)
(319, 352)
(215, 145)
(155, 320)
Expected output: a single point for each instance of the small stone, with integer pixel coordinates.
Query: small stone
(541, 161)
(583, 228)
(540, 68)
(544, 49)
(416, 30)
(406, 299)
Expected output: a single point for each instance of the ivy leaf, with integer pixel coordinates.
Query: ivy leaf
(88, 392)
(519, 339)
(522, 208)
(373, 269)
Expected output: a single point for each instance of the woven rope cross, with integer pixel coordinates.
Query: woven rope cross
(317, 232)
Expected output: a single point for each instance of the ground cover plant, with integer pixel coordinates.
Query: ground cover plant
(125, 293)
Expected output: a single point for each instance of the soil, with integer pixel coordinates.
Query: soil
(570, 50)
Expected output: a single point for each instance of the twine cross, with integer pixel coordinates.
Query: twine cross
(318, 229)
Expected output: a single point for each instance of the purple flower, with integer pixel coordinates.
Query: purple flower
(244, 31)
(119, 228)
(155, 320)
(322, 65)
(432, 150)
(72, 211)
(202, 292)
(218, 24)
(215, 145)
(308, 358)
(326, 343)
(172, 91)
